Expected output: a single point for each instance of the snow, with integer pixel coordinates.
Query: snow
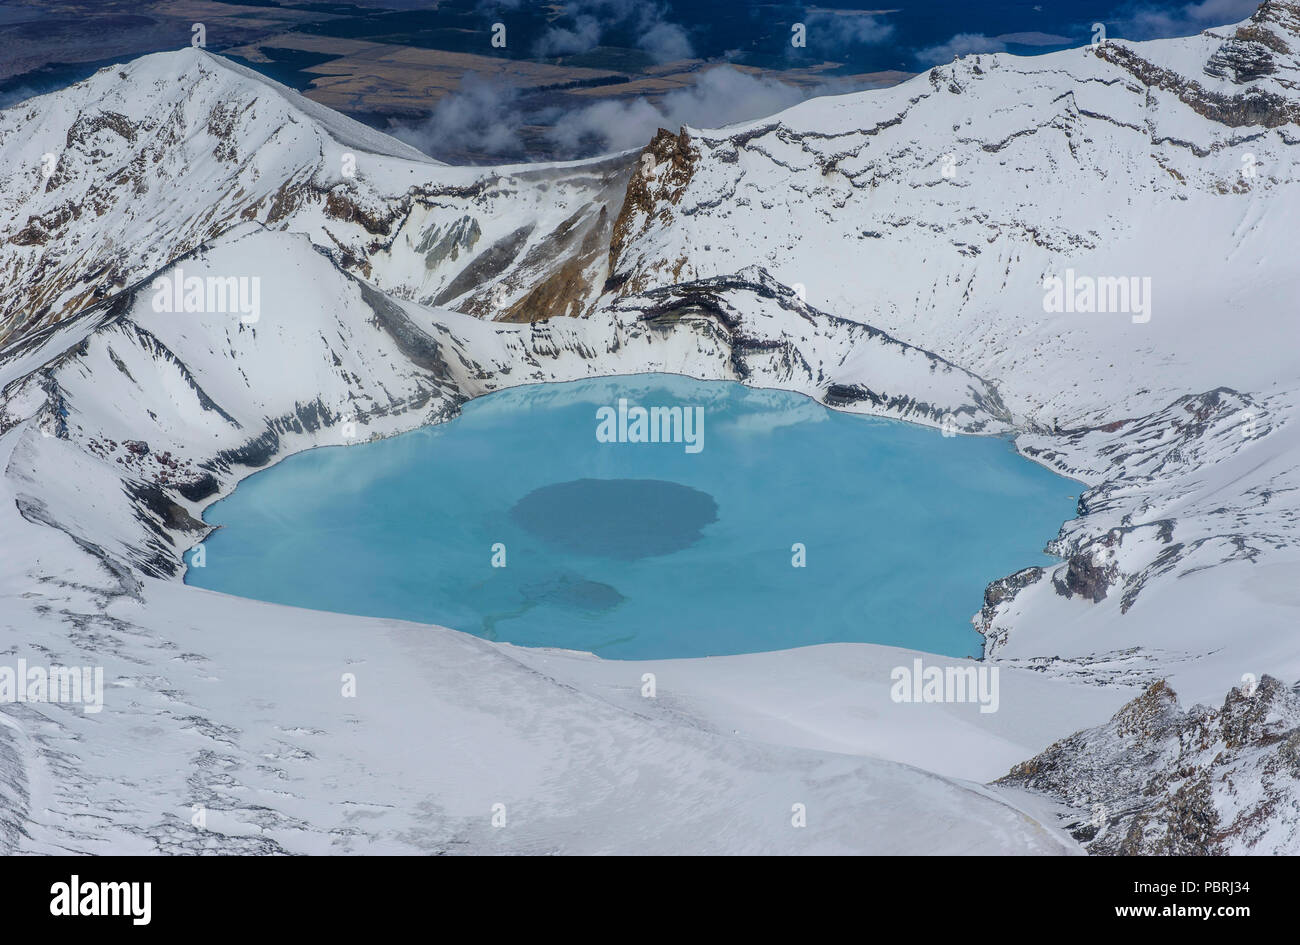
(885, 287)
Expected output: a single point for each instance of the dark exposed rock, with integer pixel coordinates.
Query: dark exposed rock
(87, 126)
(487, 266)
(996, 594)
(651, 195)
(1241, 62)
(172, 514)
(1158, 780)
(445, 243)
(1085, 576)
(256, 452)
(417, 345)
(1253, 106)
(40, 228)
(341, 205)
(1006, 588)
(582, 241)
(199, 489)
(841, 395)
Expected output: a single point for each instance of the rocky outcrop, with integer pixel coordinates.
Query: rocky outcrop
(1158, 780)
(656, 186)
(1116, 542)
(1086, 575)
(1000, 592)
(1251, 107)
(1241, 62)
(442, 244)
(1259, 49)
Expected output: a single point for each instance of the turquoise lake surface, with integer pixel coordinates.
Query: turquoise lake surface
(647, 550)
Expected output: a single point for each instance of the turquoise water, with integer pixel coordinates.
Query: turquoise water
(647, 549)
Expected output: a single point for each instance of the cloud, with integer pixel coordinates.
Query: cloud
(585, 22)
(960, 45)
(1138, 20)
(606, 126)
(481, 117)
(666, 42)
(1036, 38)
(830, 32)
(13, 96)
(1145, 21)
(562, 41)
(721, 96)
(488, 122)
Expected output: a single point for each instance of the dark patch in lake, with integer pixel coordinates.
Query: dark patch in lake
(625, 519)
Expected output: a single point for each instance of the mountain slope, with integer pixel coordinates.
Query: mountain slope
(1158, 780)
(153, 159)
(119, 424)
(824, 250)
(937, 210)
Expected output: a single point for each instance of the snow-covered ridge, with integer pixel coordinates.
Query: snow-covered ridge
(107, 181)
(936, 210)
(882, 252)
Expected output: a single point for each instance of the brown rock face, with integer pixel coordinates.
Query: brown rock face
(666, 167)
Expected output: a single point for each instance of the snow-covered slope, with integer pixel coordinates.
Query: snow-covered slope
(108, 180)
(883, 252)
(121, 422)
(935, 211)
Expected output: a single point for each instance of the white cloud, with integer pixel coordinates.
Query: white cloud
(586, 21)
(480, 117)
(830, 33)
(666, 42)
(960, 45)
(562, 41)
(721, 96)
(1143, 21)
(483, 121)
